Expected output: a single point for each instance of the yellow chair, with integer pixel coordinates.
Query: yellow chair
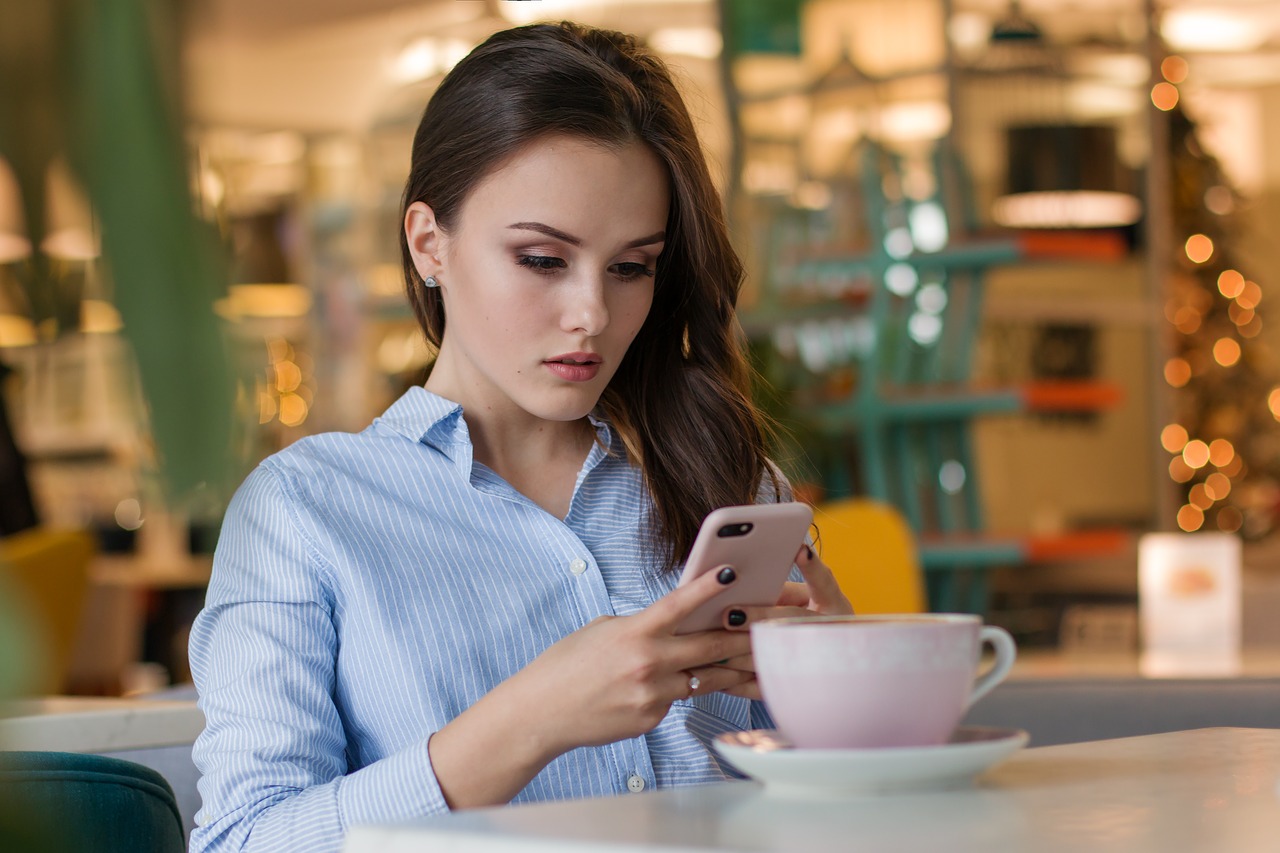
(48, 573)
(871, 550)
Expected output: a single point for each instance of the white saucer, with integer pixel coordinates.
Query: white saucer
(763, 755)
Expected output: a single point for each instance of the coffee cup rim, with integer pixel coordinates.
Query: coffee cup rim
(873, 619)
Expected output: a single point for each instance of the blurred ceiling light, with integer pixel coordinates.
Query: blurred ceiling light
(1211, 29)
(1066, 210)
(16, 331)
(1065, 176)
(765, 177)
(812, 195)
(700, 42)
(13, 247)
(277, 148)
(969, 31)
(71, 244)
(1128, 69)
(425, 57)
(915, 121)
(554, 10)
(264, 301)
(99, 317)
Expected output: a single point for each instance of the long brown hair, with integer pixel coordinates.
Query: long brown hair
(681, 397)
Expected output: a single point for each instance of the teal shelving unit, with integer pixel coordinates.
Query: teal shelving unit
(900, 427)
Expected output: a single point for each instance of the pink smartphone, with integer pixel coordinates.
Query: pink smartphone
(760, 542)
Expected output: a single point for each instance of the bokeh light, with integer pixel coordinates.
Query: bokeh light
(1164, 95)
(1180, 471)
(1199, 248)
(1218, 485)
(1199, 497)
(1174, 69)
(1230, 283)
(1250, 296)
(1190, 518)
(1196, 453)
(1187, 320)
(1229, 519)
(1226, 351)
(1173, 438)
(1221, 452)
(1177, 372)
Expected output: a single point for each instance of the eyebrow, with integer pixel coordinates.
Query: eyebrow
(556, 233)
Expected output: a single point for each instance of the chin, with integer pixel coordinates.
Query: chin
(570, 405)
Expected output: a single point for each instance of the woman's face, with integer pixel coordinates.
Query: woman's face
(546, 276)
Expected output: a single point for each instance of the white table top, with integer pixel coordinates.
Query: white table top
(92, 724)
(1206, 790)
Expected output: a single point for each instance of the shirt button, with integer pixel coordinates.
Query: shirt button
(578, 566)
(635, 784)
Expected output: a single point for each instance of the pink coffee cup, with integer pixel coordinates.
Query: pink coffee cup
(854, 682)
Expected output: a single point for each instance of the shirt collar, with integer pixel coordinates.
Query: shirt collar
(422, 416)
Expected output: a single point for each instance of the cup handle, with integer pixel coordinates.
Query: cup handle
(1006, 651)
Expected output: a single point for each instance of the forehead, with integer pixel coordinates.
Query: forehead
(576, 185)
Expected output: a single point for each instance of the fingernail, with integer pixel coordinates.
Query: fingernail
(727, 575)
(722, 662)
(737, 618)
(808, 552)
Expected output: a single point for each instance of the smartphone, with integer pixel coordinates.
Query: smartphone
(760, 542)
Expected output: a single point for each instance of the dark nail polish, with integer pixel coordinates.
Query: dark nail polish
(722, 662)
(737, 618)
(808, 551)
(727, 575)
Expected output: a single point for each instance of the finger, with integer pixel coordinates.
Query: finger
(668, 611)
(742, 663)
(705, 648)
(824, 593)
(793, 595)
(716, 679)
(740, 619)
(749, 689)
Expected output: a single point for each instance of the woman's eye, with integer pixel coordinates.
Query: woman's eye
(541, 263)
(630, 271)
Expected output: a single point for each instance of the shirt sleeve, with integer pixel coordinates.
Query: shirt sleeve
(273, 754)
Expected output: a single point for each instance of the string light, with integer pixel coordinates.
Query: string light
(1174, 69)
(1174, 437)
(1199, 248)
(1230, 284)
(1196, 454)
(1218, 485)
(1226, 351)
(1221, 452)
(1177, 372)
(1199, 498)
(1180, 471)
(1164, 95)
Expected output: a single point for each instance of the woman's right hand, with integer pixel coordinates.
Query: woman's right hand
(612, 679)
(617, 676)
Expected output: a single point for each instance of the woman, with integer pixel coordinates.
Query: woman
(472, 602)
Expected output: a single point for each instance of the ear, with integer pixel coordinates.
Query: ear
(425, 238)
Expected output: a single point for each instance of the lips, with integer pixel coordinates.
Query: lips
(575, 358)
(574, 366)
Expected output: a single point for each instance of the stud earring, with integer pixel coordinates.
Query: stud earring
(430, 281)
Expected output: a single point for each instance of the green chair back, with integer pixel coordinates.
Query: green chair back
(59, 802)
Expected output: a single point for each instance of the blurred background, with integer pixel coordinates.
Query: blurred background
(1009, 271)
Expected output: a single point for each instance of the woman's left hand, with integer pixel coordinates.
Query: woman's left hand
(818, 595)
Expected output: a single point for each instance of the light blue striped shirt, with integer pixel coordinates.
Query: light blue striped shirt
(367, 588)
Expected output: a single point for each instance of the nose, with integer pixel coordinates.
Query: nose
(587, 310)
